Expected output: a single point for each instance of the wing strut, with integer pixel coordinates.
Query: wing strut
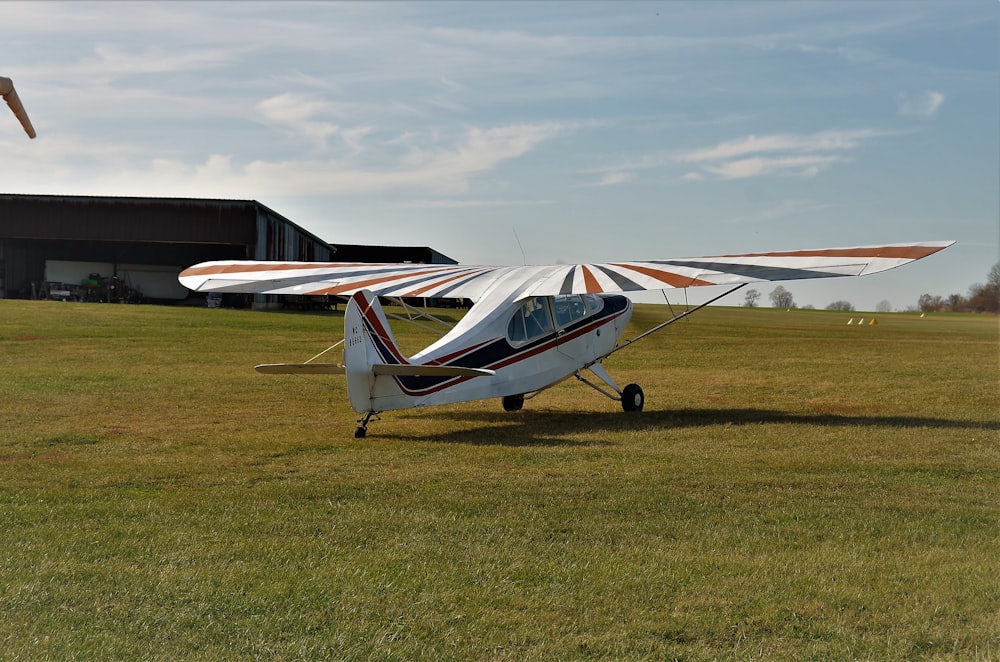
(669, 322)
(414, 314)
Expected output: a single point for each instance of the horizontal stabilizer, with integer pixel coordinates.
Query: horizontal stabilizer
(401, 370)
(300, 369)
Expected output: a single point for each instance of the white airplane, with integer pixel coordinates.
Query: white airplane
(530, 328)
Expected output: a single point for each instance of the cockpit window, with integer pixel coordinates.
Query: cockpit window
(594, 303)
(568, 308)
(532, 320)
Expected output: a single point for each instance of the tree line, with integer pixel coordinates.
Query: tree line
(982, 298)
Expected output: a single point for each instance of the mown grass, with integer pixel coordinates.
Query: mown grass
(796, 488)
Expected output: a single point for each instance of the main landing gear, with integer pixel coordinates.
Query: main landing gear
(513, 402)
(631, 397)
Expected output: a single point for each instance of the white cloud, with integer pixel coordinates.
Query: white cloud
(924, 105)
(449, 203)
(113, 60)
(822, 141)
(753, 167)
(787, 207)
(443, 165)
(611, 179)
(298, 115)
(798, 154)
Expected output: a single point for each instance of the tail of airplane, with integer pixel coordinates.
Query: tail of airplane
(368, 341)
(379, 376)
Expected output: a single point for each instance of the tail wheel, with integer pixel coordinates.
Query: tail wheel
(513, 402)
(633, 398)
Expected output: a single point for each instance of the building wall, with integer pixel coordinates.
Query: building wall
(158, 232)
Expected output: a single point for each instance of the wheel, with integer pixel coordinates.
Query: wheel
(513, 402)
(360, 432)
(633, 398)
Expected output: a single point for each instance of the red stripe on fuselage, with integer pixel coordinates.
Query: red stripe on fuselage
(377, 329)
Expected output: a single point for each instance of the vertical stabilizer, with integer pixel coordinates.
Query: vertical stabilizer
(368, 342)
(380, 378)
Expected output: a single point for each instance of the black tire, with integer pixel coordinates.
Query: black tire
(513, 402)
(633, 398)
(360, 432)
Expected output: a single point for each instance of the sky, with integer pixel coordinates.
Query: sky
(537, 132)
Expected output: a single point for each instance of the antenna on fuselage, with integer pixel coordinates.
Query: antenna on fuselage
(524, 260)
(9, 95)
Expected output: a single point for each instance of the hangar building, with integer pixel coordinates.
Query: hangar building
(55, 246)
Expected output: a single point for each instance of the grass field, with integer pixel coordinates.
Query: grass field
(796, 488)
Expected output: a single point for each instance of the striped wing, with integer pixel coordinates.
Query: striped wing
(473, 282)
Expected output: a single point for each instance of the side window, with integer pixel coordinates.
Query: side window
(532, 320)
(568, 308)
(594, 303)
(515, 329)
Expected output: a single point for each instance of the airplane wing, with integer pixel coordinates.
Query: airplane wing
(475, 282)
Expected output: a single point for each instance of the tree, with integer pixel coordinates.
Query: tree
(883, 306)
(930, 304)
(986, 298)
(781, 298)
(981, 299)
(751, 299)
(840, 305)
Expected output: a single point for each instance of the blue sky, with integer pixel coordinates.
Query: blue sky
(587, 131)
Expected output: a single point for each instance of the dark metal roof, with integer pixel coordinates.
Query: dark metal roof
(109, 218)
(364, 253)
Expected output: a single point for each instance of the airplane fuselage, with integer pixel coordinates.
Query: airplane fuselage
(530, 344)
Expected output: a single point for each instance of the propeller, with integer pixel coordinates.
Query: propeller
(9, 94)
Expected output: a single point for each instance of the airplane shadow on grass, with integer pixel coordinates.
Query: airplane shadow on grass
(559, 428)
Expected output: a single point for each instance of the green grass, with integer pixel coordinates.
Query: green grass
(796, 488)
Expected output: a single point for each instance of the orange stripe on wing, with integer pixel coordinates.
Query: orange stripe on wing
(590, 282)
(361, 284)
(668, 277)
(904, 252)
(266, 266)
(438, 283)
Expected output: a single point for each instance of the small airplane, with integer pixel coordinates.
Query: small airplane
(530, 327)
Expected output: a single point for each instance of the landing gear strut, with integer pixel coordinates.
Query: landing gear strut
(631, 397)
(362, 428)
